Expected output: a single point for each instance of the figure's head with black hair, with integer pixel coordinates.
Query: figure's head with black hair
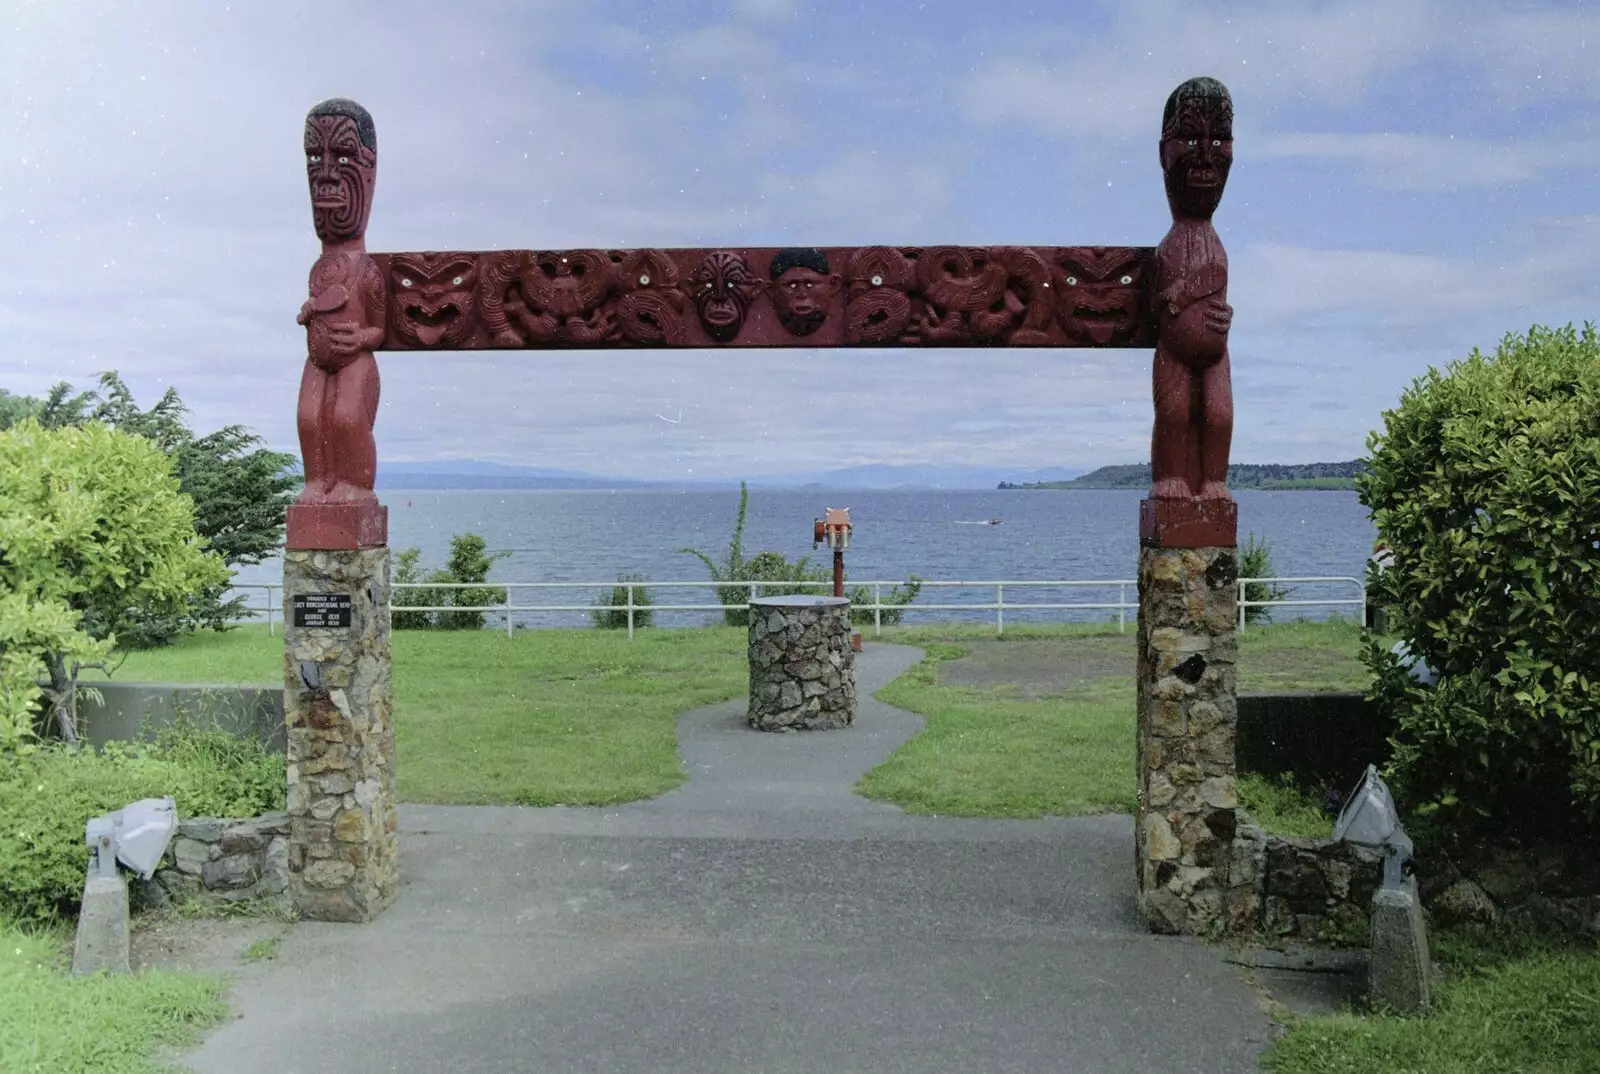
(1197, 146)
(341, 146)
(802, 288)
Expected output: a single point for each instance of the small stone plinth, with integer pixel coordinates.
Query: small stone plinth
(802, 669)
(338, 703)
(1188, 711)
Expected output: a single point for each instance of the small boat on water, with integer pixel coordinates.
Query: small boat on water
(981, 522)
(994, 522)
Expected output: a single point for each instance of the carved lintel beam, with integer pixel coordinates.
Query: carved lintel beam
(873, 296)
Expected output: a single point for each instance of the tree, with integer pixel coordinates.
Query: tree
(1483, 486)
(95, 537)
(240, 489)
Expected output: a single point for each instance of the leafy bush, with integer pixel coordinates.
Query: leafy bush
(407, 572)
(96, 540)
(1255, 561)
(1483, 484)
(47, 796)
(611, 609)
(732, 577)
(469, 564)
(895, 600)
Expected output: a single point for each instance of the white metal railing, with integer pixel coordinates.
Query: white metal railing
(1121, 606)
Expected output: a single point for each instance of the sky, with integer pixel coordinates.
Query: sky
(1412, 180)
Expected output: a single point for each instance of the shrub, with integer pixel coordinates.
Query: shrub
(611, 609)
(46, 798)
(469, 564)
(732, 577)
(1483, 485)
(1255, 561)
(896, 598)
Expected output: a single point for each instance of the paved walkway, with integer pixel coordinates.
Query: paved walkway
(761, 918)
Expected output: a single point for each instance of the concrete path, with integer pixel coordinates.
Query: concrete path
(759, 919)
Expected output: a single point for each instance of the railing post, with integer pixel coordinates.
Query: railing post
(1241, 605)
(630, 613)
(508, 613)
(877, 609)
(271, 630)
(999, 610)
(1122, 607)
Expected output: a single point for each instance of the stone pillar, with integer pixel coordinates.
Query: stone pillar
(802, 667)
(1187, 714)
(338, 704)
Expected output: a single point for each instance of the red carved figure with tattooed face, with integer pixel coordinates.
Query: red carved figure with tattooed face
(1192, 388)
(345, 321)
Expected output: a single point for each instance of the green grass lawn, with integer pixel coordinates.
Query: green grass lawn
(587, 717)
(1536, 1012)
(51, 1022)
(994, 750)
(577, 717)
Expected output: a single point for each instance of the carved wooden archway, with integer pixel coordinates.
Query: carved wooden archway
(1172, 298)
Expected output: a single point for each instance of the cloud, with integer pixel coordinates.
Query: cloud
(1434, 162)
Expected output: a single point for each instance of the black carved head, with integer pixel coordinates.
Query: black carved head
(1197, 146)
(803, 285)
(341, 146)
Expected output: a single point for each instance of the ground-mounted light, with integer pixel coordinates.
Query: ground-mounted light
(137, 836)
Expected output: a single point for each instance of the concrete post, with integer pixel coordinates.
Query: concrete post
(338, 706)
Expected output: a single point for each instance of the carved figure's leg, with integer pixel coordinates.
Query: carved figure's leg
(352, 449)
(309, 413)
(1216, 431)
(1170, 441)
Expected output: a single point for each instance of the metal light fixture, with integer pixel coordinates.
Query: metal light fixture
(1371, 819)
(136, 835)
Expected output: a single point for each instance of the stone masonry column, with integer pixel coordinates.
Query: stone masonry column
(338, 703)
(1187, 715)
(802, 668)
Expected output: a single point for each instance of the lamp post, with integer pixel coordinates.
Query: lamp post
(1398, 975)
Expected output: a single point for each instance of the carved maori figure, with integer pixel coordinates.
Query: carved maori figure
(345, 316)
(1097, 294)
(1191, 377)
(722, 287)
(498, 272)
(434, 300)
(651, 307)
(877, 306)
(562, 295)
(960, 299)
(1028, 301)
(803, 287)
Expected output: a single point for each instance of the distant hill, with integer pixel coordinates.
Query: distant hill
(1308, 475)
(474, 474)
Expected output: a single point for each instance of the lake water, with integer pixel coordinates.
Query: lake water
(591, 536)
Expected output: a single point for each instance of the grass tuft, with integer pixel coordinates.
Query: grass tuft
(51, 1022)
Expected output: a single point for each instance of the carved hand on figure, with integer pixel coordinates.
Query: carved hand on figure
(1199, 333)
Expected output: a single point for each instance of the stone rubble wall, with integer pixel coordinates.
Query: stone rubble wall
(802, 669)
(338, 704)
(1187, 714)
(231, 860)
(1321, 889)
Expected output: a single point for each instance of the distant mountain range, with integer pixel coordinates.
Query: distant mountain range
(474, 474)
(1244, 475)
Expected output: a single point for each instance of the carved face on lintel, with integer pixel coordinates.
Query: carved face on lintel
(434, 298)
(341, 165)
(802, 288)
(1197, 146)
(722, 287)
(1097, 294)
